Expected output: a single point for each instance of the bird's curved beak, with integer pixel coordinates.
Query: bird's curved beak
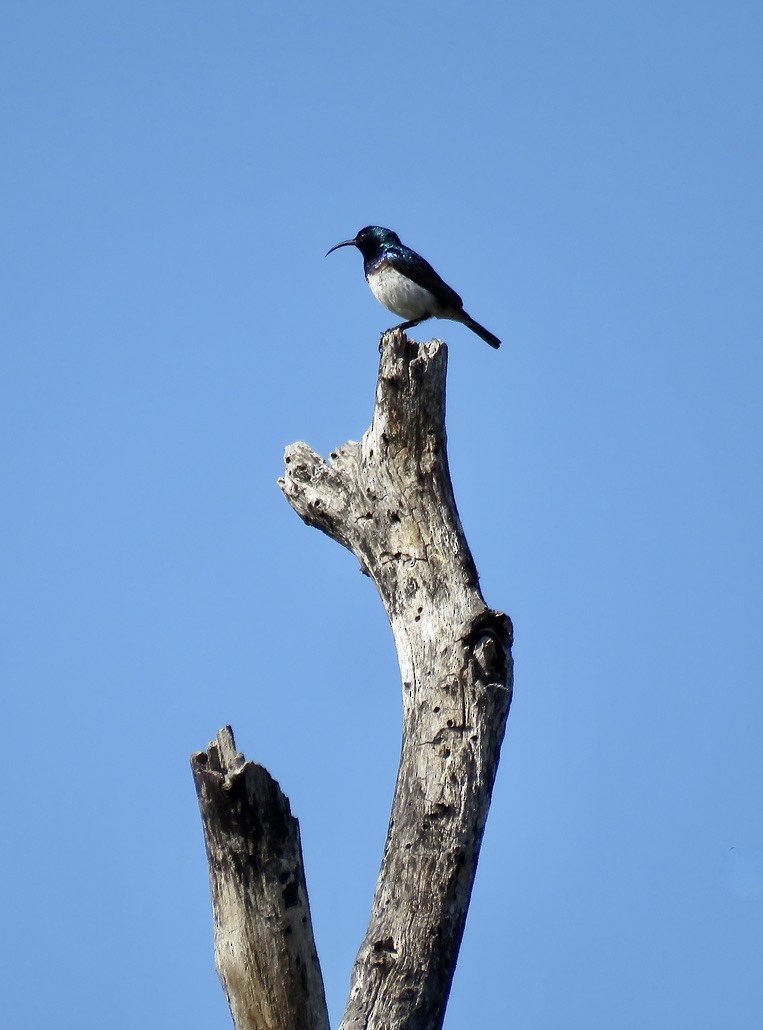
(346, 243)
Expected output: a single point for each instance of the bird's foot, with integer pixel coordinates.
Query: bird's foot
(408, 325)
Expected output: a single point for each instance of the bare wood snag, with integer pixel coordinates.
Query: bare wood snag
(389, 500)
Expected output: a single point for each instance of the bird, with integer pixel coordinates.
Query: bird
(406, 284)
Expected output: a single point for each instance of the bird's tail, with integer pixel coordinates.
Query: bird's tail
(480, 330)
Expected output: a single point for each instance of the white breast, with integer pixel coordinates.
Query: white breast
(402, 296)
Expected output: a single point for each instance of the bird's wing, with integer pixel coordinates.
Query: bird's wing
(421, 272)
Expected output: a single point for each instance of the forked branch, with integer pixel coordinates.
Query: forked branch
(389, 500)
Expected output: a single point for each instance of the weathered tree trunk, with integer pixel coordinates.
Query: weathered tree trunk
(389, 500)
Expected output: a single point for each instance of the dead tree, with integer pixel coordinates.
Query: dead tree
(389, 500)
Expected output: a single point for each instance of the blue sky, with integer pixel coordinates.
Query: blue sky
(587, 176)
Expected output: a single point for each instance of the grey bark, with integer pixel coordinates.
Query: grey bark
(389, 500)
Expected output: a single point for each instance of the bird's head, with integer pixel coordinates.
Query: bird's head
(369, 240)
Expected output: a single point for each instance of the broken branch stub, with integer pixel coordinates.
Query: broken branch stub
(264, 948)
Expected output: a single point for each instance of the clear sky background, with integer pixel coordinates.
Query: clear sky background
(588, 176)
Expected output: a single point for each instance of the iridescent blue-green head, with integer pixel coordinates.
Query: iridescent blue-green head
(370, 240)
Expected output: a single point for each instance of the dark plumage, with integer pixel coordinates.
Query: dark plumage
(406, 284)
